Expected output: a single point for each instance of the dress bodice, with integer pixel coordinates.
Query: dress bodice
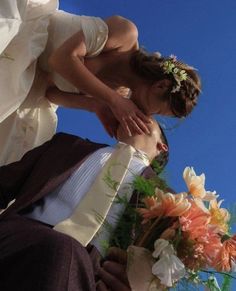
(62, 26)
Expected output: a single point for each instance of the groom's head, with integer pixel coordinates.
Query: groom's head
(155, 144)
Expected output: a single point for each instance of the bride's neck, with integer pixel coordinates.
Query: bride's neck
(123, 72)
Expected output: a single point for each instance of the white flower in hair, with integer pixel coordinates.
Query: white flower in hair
(169, 66)
(157, 54)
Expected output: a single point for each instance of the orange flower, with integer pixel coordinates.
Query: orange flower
(164, 204)
(226, 255)
(219, 216)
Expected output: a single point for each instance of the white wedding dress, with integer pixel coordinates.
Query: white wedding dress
(30, 30)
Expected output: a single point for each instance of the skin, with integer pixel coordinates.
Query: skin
(150, 143)
(101, 77)
(113, 272)
(149, 105)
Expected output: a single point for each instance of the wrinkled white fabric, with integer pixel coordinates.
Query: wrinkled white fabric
(27, 118)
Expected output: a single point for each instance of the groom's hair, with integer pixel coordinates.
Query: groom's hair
(160, 161)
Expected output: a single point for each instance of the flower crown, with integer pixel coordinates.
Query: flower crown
(169, 66)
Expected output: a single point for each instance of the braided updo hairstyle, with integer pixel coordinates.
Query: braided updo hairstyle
(149, 67)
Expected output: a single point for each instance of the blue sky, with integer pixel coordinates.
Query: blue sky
(202, 33)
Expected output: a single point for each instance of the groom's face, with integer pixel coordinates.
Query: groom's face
(155, 142)
(151, 143)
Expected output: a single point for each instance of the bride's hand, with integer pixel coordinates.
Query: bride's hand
(131, 118)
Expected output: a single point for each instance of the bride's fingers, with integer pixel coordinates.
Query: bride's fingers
(139, 125)
(143, 117)
(125, 126)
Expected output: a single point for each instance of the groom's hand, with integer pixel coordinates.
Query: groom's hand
(113, 272)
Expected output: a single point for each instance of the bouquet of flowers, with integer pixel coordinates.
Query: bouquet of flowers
(174, 238)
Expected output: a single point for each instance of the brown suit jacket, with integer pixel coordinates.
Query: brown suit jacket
(41, 170)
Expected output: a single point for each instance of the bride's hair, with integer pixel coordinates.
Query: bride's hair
(150, 67)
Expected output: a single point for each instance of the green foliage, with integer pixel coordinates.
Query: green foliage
(146, 187)
(124, 234)
(109, 181)
(212, 284)
(156, 167)
(226, 283)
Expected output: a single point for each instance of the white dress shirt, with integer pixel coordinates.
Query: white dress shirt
(61, 203)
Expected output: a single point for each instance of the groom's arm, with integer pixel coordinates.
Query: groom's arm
(13, 176)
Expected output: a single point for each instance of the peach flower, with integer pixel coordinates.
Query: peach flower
(226, 256)
(196, 185)
(211, 244)
(219, 216)
(195, 221)
(164, 204)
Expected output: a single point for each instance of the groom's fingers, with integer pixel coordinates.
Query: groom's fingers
(117, 270)
(101, 286)
(112, 282)
(116, 254)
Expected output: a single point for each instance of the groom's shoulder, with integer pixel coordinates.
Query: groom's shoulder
(66, 137)
(71, 138)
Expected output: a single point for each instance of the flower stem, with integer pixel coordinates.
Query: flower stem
(217, 272)
(141, 242)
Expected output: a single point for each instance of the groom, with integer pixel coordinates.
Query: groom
(48, 183)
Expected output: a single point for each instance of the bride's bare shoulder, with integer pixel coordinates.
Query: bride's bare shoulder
(123, 33)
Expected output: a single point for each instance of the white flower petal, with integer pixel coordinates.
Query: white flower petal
(168, 269)
(159, 245)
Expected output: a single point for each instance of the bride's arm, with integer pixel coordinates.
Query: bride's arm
(67, 60)
(85, 102)
(72, 100)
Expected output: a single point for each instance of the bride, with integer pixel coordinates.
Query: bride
(89, 57)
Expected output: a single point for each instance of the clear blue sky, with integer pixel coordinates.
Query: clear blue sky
(203, 34)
